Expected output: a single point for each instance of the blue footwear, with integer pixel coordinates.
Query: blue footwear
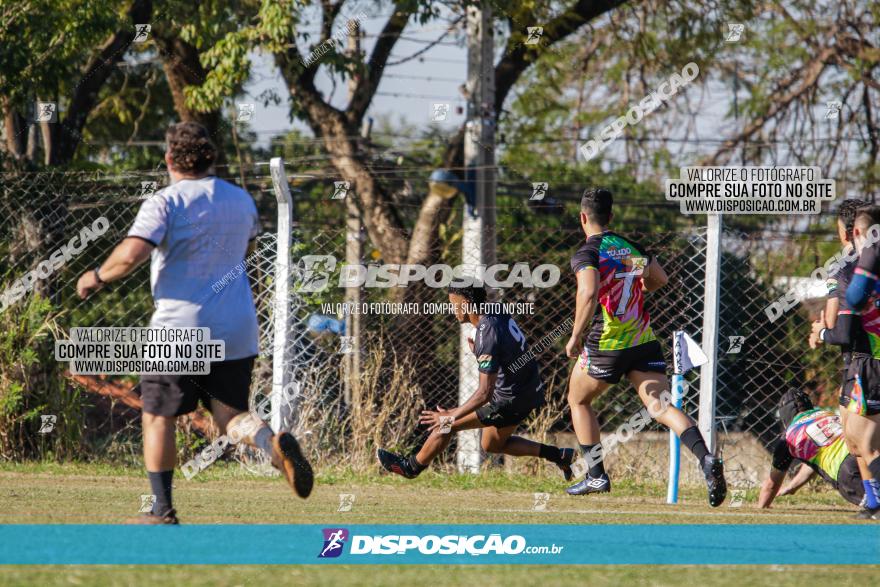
(600, 484)
(566, 458)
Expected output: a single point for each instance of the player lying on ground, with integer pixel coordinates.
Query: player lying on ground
(510, 389)
(813, 436)
(612, 272)
(839, 326)
(196, 231)
(862, 387)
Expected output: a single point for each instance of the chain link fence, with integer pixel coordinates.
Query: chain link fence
(757, 361)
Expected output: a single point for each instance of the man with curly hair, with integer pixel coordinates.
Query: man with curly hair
(196, 231)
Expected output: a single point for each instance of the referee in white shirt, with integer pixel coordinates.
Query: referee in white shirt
(195, 231)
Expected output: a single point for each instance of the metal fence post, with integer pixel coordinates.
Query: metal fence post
(478, 224)
(281, 347)
(709, 371)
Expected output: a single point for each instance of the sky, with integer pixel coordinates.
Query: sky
(407, 91)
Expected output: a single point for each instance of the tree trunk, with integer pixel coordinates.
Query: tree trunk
(180, 61)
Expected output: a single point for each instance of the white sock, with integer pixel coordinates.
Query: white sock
(263, 439)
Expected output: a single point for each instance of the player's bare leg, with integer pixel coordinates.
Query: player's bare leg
(494, 440)
(503, 441)
(582, 390)
(864, 433)
(869, 501)
(411, 466)
(283, 449)
(651, 387)
(160, 458)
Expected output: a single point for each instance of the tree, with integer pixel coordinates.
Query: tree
(61, 52)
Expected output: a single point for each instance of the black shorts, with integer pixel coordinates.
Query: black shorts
(849, 481)
(861, 390)
(610, 366)
(501, 414)
(847, 358)
(174, 395)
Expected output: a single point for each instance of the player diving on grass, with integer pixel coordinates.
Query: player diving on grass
(510, 389)
(612, 272)
(813, 436)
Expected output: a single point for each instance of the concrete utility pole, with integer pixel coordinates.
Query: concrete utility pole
(478, 242)
(353, 252)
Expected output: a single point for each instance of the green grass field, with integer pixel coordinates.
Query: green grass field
(224, 494)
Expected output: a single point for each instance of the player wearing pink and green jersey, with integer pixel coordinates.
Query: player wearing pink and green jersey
(813, 436)
(612, 274)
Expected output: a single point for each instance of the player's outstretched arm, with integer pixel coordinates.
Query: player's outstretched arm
(431, 418)
(801, 478)
(770, 488)
(479, 398)
(124, 259)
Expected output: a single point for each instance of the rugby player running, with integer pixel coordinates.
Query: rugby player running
(612, 272)
(813, 436)
(510, 389)
(839, 326)
(861, 391)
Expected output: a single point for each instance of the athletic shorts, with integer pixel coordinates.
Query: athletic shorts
(501, 414)
(847, 358)
(174, 395)
(861, 390)
(849, 481)
(610, 366)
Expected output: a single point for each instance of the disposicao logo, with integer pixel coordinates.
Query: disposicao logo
(334, 540)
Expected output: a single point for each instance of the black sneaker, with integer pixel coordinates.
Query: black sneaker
(601, 484)
(566, 458)
(396, 464)
(713, 469)
(868, 514)
(288, 458)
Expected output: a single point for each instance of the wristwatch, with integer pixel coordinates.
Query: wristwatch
(98, 276)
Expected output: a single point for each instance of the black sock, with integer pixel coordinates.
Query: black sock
(161, 485)
(692, 439)
(593, 455)
(550, 453)
(874, 467)
(415, 465)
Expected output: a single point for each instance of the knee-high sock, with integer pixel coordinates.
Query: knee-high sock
(872, 486)
(160, 483)
(692, 439)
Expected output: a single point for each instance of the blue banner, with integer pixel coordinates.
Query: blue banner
(747, 544)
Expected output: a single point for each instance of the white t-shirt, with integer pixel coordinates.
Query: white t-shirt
(201, 229)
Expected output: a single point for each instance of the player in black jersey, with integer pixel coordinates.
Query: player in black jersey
(510, 389)
(840, 326)
(862, 385)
